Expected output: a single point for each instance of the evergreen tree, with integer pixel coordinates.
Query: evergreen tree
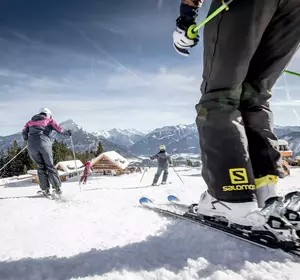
(61, 152)
(99, 148)
(23, 163)
(28, 163)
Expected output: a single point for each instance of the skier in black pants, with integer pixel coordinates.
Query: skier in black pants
(246, 49)
(37, 134)
(163, 161)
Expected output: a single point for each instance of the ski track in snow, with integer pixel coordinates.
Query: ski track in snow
(103, 233)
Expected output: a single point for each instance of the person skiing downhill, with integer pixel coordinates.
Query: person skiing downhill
(163, 161)
(86, 173)
(36, 133)
(246, 50)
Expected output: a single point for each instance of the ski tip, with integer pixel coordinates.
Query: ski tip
(173, 198)
(145, 200)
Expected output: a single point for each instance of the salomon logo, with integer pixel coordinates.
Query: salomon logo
(238, 176)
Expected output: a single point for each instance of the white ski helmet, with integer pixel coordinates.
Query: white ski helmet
(46, 111)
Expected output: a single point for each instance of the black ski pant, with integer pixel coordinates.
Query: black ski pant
(246, 50)
(43, 157)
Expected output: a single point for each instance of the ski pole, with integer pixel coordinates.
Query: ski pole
(292, 73)
(178, 175)
(192, 31)
(143, 175)
(73, 149)
(12, 158)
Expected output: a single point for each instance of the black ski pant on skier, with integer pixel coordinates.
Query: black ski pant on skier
(246, 50)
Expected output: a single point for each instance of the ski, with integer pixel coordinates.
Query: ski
(43, 194)
(262, 239)
(51, 196)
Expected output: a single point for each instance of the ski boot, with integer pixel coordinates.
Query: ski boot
(44, 192)
(277, 224)
(292, 209)
(163, 182)
(267, 223)
(57, 192)
(245, 214)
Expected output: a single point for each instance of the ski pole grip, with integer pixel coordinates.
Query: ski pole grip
(192, 32)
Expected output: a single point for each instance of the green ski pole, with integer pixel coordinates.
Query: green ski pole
(292, 73)
(192, 31)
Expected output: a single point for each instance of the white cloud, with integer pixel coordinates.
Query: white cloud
(124, 101)
(12, 74)
(126, 98)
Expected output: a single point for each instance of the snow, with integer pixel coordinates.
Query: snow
(34, 172)
(101, 233)
(70, 166)
(186, 155)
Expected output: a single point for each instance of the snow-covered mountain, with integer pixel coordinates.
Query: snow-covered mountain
(7, 141)
(284, 130)
(178, 139)
(70, 125)
(126, 137)
(294, 142)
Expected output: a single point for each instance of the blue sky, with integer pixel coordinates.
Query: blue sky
(105, 64)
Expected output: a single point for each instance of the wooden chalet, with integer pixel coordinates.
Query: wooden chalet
(35, 179)
(69, 167)
(110, 163)
(66, 169)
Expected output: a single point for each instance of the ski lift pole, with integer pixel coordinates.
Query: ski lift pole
(73, 149)
(177, 175)
(192, 31)
(12, 159)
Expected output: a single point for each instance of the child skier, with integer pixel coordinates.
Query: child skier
(37, 134)
(246, 50)
(86, 173)
(163, 161)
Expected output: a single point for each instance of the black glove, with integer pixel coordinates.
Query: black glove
(181, 41)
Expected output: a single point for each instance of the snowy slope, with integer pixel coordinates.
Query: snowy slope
(103, 233)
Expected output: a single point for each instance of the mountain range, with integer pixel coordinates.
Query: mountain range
(179, 139)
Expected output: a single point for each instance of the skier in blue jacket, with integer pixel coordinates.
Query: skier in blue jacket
(37, 134)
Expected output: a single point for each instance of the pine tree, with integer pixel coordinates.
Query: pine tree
(27, 161)
(61, 152)
(99, 148)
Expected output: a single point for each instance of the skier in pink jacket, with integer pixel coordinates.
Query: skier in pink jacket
(86, 173)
